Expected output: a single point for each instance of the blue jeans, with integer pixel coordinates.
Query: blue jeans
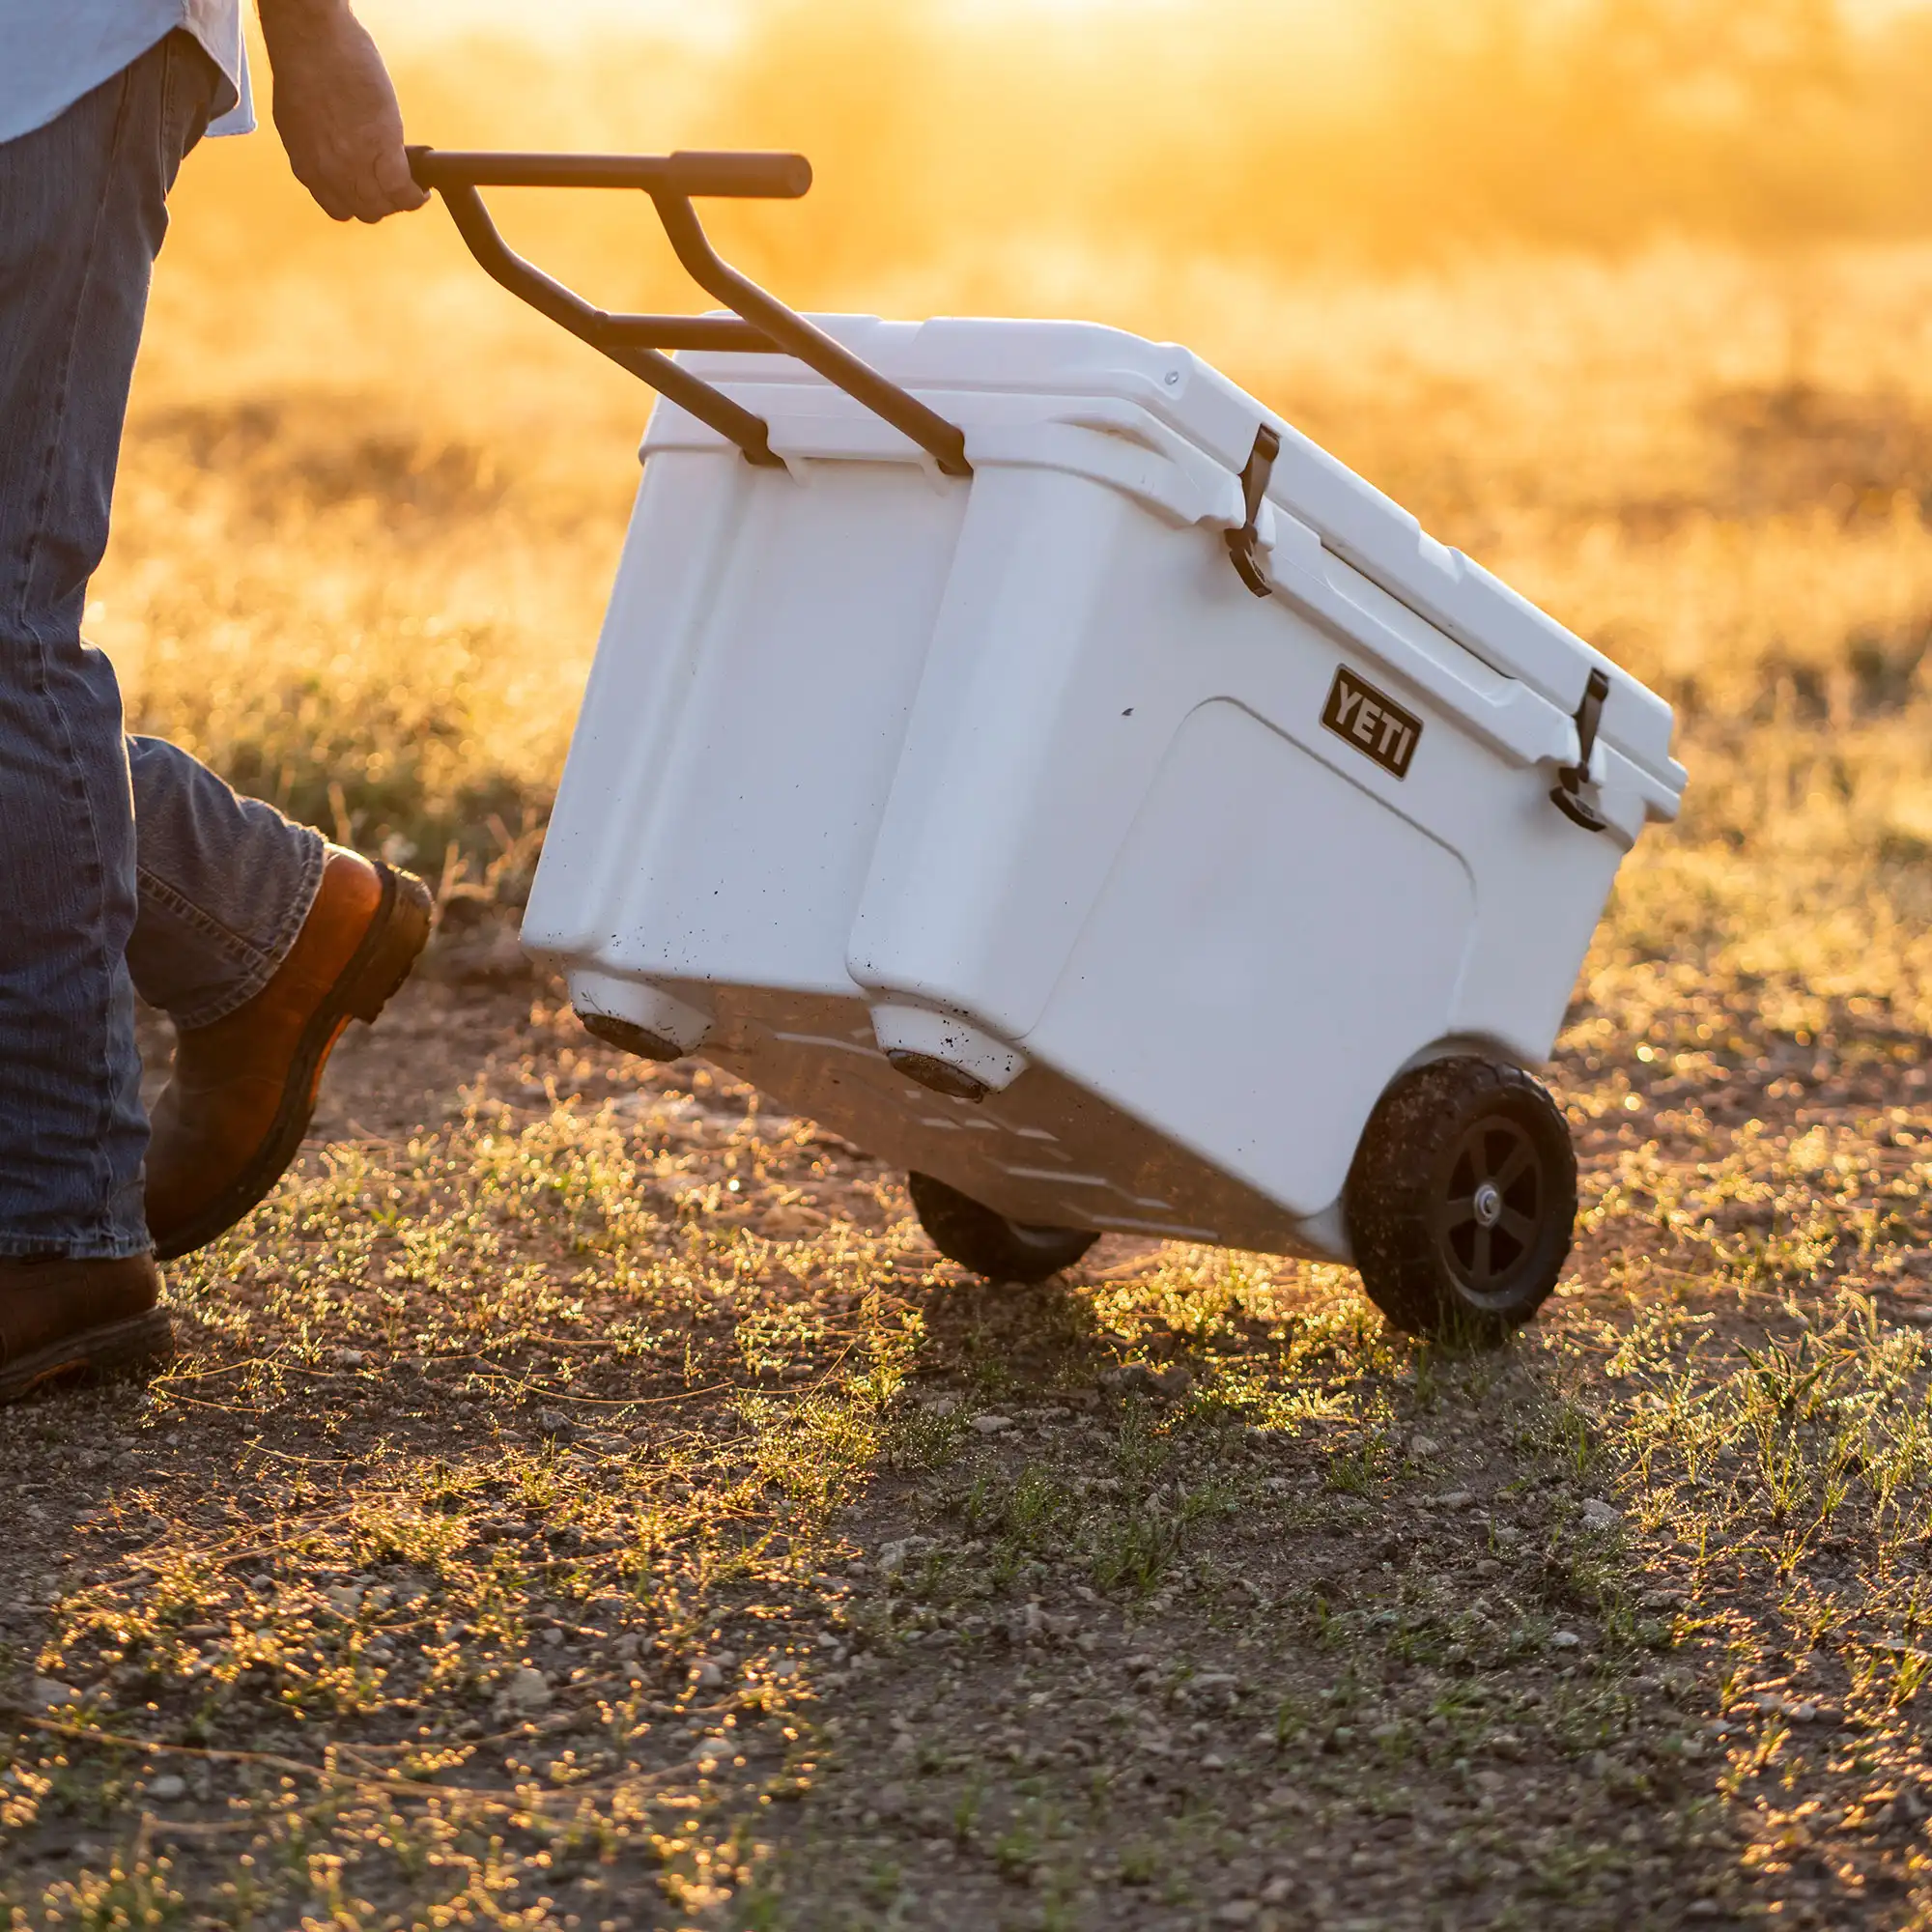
(125, 865)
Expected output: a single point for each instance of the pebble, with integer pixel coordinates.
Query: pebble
(553, 1422)
(707, 1675)
(166, 1788)
(893, 1557)
(50, 1694)
(1455, 1499)
(529, 1689)
(1565, 1640)
(1174, 1382)
(1238, 1912)
(1422, 1447)
(1599, 1515)
(992, 1425)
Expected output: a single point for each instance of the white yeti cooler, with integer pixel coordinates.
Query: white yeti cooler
(1141, 828)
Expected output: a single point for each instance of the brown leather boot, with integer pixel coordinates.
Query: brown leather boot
(233, 1117)
(60, 1317)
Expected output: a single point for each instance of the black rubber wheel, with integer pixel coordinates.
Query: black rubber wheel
(1462, 1200)
(988, 1243)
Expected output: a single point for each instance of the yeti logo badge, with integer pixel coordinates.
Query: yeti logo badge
(1376, 726)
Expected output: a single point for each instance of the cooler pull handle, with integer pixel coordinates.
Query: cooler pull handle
(1254, 492)
(765, 325)
(1568, 795)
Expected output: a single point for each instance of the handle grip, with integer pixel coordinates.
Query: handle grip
(765, 325)
(698, 175)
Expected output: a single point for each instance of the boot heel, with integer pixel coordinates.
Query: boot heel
(139, 1342)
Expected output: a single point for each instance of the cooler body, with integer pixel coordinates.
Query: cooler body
(1015, 776)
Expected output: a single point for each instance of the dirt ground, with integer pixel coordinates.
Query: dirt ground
(585, 1500)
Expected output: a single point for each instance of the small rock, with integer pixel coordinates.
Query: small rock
(50, 1694)
(707, 1675)
(992, 1425)
(528, 1689)
(1130, 1379)
(351, 1358)
(1174, 1382)
(1238, 1912)
(1455, 1499)
(166, 1788)
(1565, 1640)
(1599, 1515)
(1276, 1892)
(555, 1423)
(895, 1556)
(1422, 1447)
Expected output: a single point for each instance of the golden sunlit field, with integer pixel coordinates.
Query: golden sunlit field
(585, 1500)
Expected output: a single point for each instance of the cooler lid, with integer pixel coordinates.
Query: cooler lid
(1353, 519)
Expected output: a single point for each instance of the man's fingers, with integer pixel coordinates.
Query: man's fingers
(327, 195)
(399, 187)
(361, 187)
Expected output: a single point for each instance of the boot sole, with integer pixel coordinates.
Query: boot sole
(131, 1344)
(372, 979)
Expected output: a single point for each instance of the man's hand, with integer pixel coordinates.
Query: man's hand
(337, 111)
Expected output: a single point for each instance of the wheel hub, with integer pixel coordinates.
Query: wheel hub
(1493, 1200)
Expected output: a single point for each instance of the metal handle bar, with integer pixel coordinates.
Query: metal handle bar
(765, 325)
(744, 176)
